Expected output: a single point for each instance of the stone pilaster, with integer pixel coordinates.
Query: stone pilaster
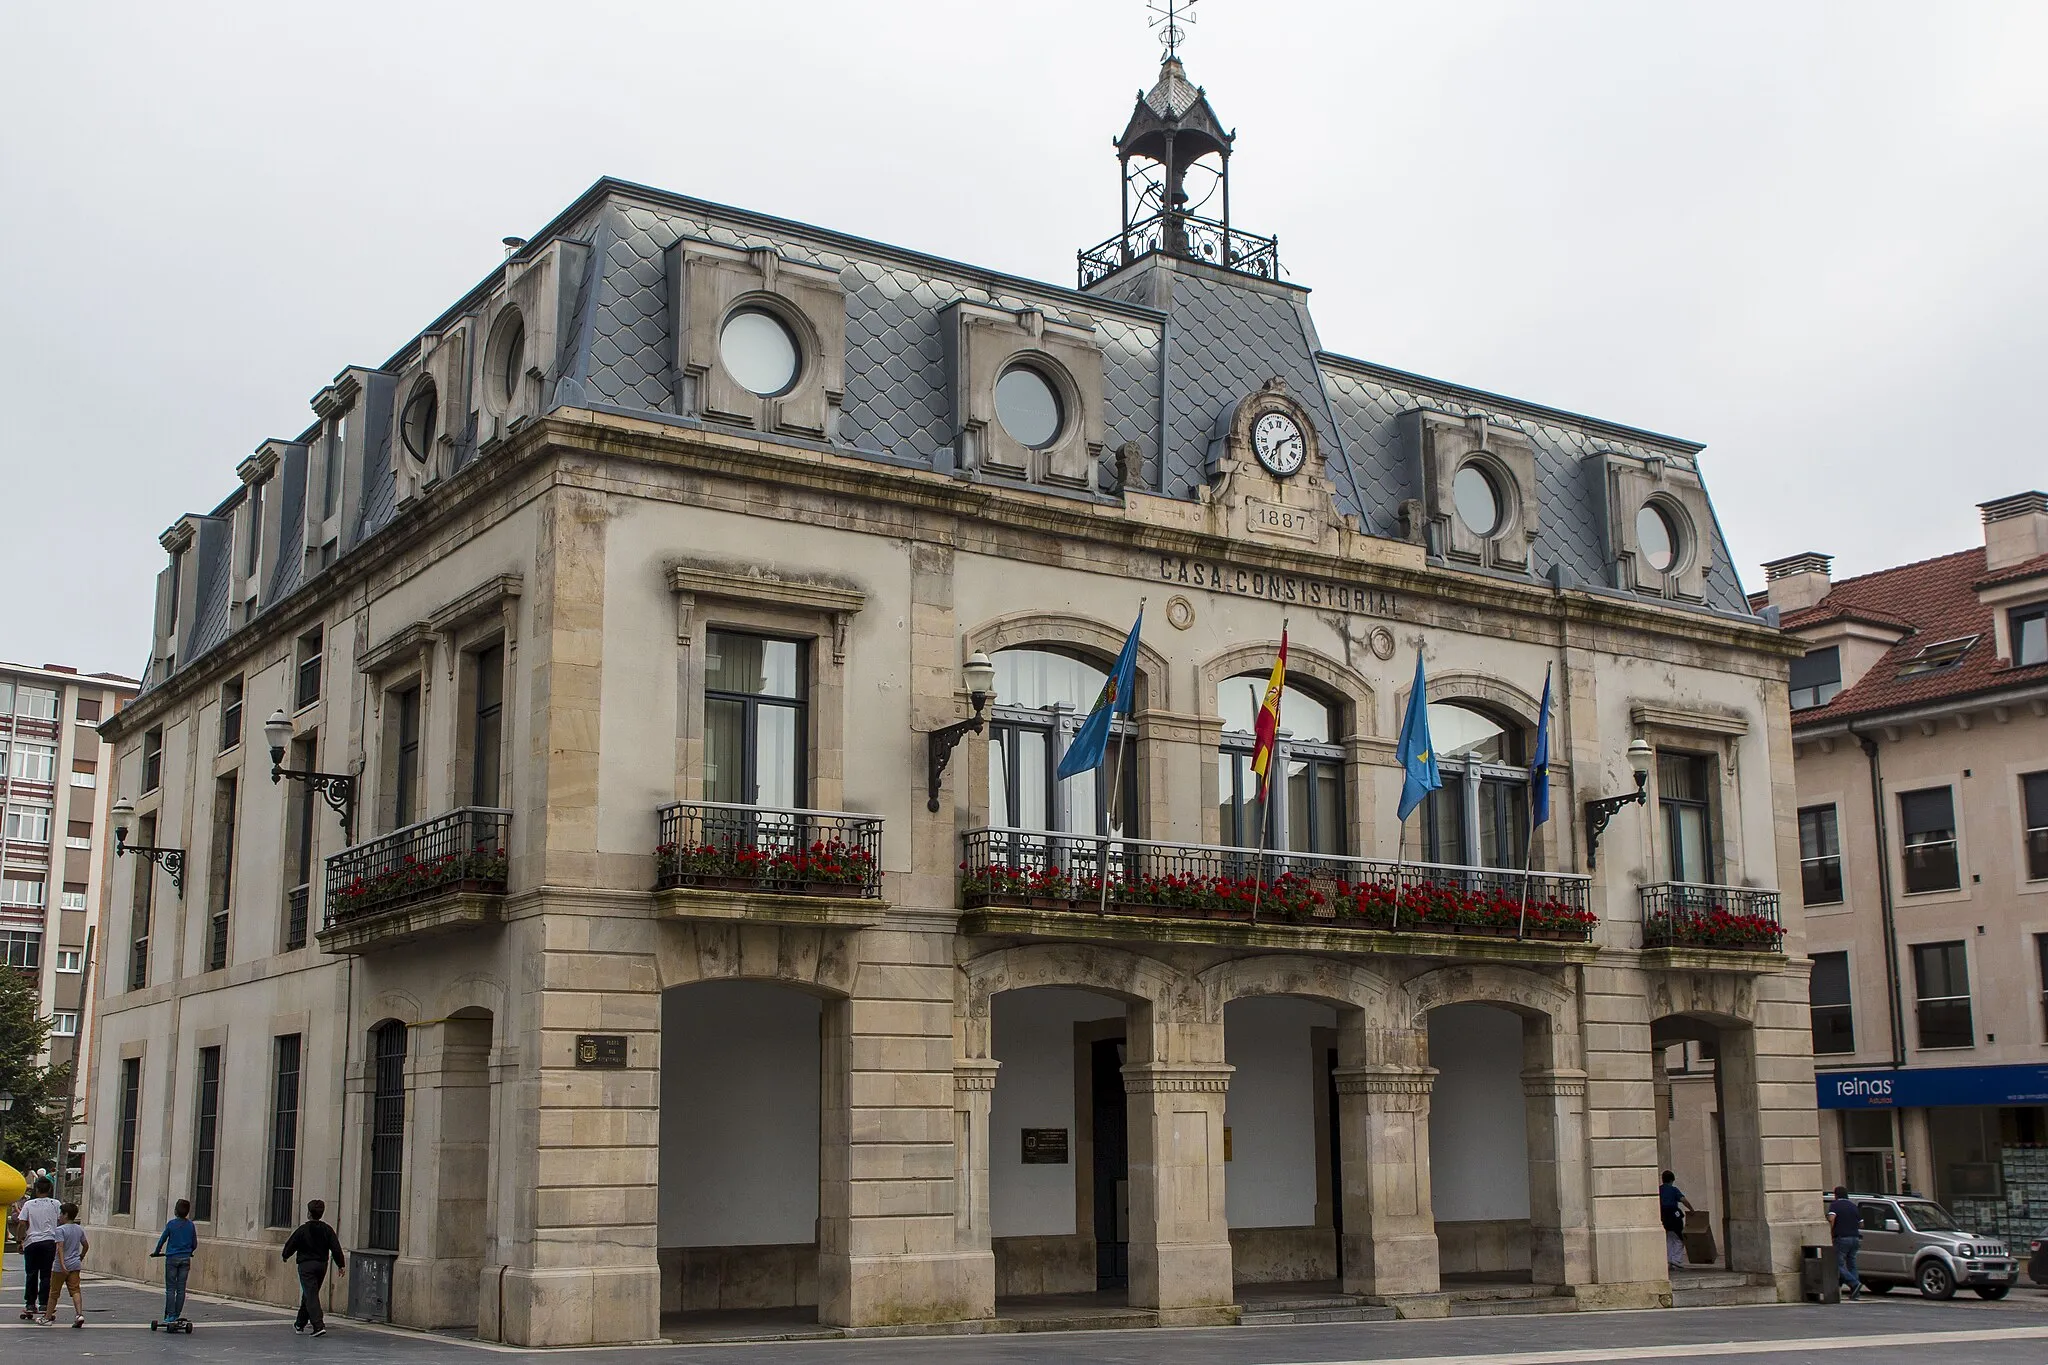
(1621, 1143)
(448, 1194)
(974, 1084)
(1560, 1244)
(1180, 1238)
(1389, 1225)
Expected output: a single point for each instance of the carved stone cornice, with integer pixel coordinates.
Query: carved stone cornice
(1374, 1080)
(691, 579)
(975, 1074)
(1153, 1078)
(259, 466)
(1564, 1084)
(177, 537)
(480, 601)
(1665, 717)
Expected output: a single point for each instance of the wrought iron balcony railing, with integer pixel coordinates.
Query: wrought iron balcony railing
(714, 845)
(1038, 869)
(1186, 236)
(1695, 915)
(463, 850)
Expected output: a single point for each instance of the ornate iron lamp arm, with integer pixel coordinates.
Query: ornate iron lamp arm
(171, 860)
(939, 751)
(1599, 812)
(337, 789)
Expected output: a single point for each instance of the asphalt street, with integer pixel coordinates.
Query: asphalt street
(1893, 1331)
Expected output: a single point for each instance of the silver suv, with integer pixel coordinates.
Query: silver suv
(1915, 1241)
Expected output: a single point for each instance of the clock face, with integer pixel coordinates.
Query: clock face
(1278, 443)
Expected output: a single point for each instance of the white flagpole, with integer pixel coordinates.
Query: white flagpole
(1265, 809)
(1116, 785)
(1400, 851)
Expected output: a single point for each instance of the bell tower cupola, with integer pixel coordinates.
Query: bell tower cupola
(1174, 159)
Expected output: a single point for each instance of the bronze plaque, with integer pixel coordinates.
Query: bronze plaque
(601, 1049)
(1045, 1146)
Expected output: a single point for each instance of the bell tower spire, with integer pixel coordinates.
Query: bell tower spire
(1174, 158)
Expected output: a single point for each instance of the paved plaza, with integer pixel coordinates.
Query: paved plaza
(1893, 1331)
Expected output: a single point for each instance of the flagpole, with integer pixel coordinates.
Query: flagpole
(1265, 813)
(1400, 851)
(1116, 785)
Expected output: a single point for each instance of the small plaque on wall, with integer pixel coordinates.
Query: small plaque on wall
(1045, 1146)
(601, 1049)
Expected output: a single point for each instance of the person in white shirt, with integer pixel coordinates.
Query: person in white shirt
(38, 1221)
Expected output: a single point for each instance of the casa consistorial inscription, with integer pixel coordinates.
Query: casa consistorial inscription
(1288, 589)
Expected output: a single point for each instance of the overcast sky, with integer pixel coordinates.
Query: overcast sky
(1811, 236)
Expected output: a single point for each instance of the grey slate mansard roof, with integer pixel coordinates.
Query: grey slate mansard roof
(1168, 372)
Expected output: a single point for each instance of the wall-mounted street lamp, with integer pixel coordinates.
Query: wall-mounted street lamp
(171, 860)
(338, 789)
(980, 676)
(1599, 812)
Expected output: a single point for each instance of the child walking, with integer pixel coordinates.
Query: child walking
(71, 1248)
(179, 1240)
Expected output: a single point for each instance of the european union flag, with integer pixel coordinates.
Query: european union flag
(1539, 771)
(1415, 752)
(1085, 753)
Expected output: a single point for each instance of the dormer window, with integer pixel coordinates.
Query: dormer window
(2030, 635)
(1938, 657)
(421, 420)
(1028, 407)
(760, 352)
(1657, 536)
(1816, 678)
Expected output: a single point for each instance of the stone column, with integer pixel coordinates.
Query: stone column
(1180, 1238)
(974, 1083)
(1560, 1245)
(448, 1185)
(1621, 1144)
(1383, 1123)
(1770, 1124)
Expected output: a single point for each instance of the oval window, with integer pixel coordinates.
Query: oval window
(417, 427)
(511, 355)
(1657, 537)
(759, 351)
(1028, 406)
(1477, 500)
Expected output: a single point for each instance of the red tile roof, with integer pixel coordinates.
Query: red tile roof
(1934, 600)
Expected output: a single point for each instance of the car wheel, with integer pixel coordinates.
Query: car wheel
(1936, 1282)
(1993, 1291)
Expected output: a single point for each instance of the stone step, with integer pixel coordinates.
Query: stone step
(1725, 1291)
(1077, 1322)
(1492, 1305)
(1282, 1317)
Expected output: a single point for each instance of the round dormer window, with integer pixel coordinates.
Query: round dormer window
(1477, 501)
(1657, 537)
(1028, 407)
(508, 355)
(419, 424)
(759, 351)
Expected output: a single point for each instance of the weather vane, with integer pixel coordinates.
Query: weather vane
(1172, 18)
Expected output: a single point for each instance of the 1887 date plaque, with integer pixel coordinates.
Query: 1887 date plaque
(601, 1049)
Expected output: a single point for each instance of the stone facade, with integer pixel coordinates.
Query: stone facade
(533, 1147)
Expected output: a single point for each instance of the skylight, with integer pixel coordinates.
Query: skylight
(1939, 656)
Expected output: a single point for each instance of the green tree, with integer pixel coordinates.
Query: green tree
(42, 1094)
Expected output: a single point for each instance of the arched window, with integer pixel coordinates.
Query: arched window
(1480, 816)
(1306, 813)
(1042, 698)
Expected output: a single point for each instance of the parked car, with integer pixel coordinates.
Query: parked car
(1917, 1242)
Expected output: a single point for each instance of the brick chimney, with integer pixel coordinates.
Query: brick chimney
(1797, 581)
(2015, 530)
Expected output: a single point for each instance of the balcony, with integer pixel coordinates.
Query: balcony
(1727, 928)
(1188, 237)
(1035, 884)
(435, 877)
(768, 865)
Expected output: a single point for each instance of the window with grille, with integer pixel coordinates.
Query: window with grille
(284, 1132)
(1927, 821)
(139, 911)
(1941, 979)
(131, 1105)
(221, 872)
(206, 1138)
(387, 1135)
(1820, 856)
(1834, 1028)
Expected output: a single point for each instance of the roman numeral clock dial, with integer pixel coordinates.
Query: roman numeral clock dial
(1277, 441)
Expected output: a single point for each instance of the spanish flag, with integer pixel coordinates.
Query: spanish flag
(1267, 727)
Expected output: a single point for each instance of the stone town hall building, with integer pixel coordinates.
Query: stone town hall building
(644, 961)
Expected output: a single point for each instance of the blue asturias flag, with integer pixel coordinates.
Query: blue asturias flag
(1415, 752)
(1539, 771)
(1086, 751)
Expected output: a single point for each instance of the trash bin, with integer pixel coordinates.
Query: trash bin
(1820, 1275)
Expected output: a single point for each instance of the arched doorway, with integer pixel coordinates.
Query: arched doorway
(1710, 1136)
(1283, 1193)
(1479, 1152)
(744, 1093)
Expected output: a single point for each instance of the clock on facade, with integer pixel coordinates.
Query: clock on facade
(1277, 441)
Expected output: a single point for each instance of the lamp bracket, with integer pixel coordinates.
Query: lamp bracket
(939, 746)
(1599, 812)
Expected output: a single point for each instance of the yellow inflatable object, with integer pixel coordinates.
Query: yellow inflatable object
(12, 1184)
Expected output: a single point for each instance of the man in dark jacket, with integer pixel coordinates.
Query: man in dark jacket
(313, 1242)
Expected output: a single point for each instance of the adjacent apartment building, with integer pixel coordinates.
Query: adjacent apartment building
(652, 890)
(1920, 716)
(54, 794)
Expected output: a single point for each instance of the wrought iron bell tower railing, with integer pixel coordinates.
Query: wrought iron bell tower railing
(1188, 237)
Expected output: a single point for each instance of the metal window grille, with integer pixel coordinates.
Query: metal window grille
(284, 1132)
(1697, 915)
(387, 1136)
(773, 848)
(203, 1142)
(295, 905)
(463, 850)
(124, 1166)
